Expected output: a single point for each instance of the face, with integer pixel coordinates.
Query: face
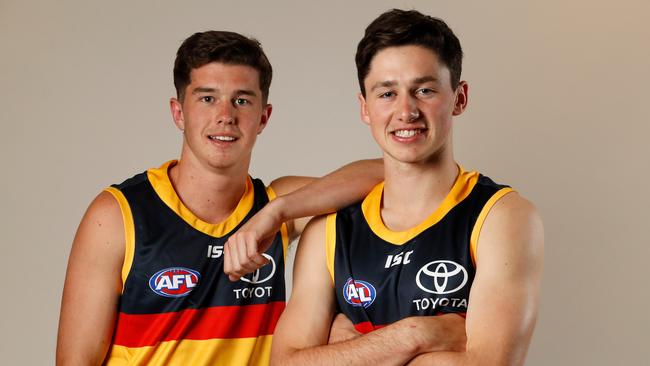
(409, 104)
(221, 115)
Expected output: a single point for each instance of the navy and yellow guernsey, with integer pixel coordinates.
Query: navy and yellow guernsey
(381, 276)
(177, 306)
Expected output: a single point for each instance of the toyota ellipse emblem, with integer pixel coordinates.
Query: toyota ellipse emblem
(441, 277)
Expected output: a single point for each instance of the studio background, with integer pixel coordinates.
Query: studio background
(557, 108)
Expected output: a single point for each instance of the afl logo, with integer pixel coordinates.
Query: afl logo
(174, 281)
(359, 293)
(441, 277)
(266, 272)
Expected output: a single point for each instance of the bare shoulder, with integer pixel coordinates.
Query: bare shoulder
(93, 284)
(312, 241)
(102, 228)
(316, 226)
(513, 205)
(514, 212)
(513, 229)
(287, 184)
(104, 206)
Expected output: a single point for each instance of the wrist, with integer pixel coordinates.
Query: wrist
(278, 209)
(407, 330)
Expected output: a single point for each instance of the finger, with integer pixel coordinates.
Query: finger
(235, 266)
(253, 253)
(227, 262)
(247, 265)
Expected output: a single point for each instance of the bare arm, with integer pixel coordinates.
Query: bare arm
(298, 199)
(301, 335)
(92, 285)
(504, 296)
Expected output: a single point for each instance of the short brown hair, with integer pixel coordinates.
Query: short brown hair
(409, 27)
(220, 46)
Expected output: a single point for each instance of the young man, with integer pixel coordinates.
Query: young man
(145, 281)
(421, 240)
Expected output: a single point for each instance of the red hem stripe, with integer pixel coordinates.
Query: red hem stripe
(139, 330)
(367, 327)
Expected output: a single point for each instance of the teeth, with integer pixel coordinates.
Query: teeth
(406, 133)
(222, 138)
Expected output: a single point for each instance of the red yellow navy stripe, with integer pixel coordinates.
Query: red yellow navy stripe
(219, 322)
(367, 327)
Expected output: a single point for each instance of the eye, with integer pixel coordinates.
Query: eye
(241, 101)
(386, 95)
(207, 99)
(425, 91)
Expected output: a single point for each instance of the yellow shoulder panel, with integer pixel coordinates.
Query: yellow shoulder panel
(129, 231)
(476, 231)
(330, 242)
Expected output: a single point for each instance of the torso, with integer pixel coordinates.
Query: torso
(381, 276)
(177, 305)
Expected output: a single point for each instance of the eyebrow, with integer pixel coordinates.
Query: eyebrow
(425, 79)
(390, 83)
(383, 84)
(202, 89)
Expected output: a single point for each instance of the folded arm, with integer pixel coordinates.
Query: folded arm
(92, 285)
(504, 296)
(302, 333)
(298, 199)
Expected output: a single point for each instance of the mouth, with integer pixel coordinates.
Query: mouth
(408, 133)
(222, 138)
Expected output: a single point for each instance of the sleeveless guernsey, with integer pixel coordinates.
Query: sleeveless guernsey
(177, 306)
(381, 276)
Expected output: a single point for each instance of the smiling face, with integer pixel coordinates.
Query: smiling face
(409, 104)
(221, 114)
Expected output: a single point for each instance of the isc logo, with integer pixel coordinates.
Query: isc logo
(359, 293)
(174, 282)
(396, 260)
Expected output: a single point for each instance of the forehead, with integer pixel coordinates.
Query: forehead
(225, 76)
(404, 63)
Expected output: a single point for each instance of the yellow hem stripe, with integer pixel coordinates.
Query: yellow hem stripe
(476, 230)
(129, 231)
(371, 208)
(330, 242)
(159, 179)
(236, 351)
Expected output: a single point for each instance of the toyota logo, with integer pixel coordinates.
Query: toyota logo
(441, 277)
(255, 276)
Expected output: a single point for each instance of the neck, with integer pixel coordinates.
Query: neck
(211, 194)
(412, 191)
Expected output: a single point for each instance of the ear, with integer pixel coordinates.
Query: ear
(264, 119)
(364, 109)
(461, 98)
(177, 113)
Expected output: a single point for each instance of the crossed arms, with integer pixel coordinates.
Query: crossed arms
(500, 319)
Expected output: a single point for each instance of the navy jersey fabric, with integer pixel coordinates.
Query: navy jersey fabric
(382, 276)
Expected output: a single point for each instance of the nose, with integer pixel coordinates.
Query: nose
(225, 113)
(408, 110)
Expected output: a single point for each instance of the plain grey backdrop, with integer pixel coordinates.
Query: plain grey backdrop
(557, 108)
